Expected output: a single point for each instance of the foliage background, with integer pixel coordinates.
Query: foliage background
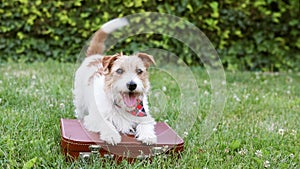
(248, 35)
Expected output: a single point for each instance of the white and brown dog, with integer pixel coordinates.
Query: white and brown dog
(110, 92)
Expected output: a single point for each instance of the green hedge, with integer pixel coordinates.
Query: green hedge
(249, 35)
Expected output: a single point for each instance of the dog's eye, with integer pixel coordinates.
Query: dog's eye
(139, 71)
(119, 71)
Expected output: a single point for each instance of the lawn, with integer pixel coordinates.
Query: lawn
(259, 127)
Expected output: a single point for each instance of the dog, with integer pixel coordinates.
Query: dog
(110, 92)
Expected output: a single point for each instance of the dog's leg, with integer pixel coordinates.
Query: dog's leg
(145, 133)
(108, 133)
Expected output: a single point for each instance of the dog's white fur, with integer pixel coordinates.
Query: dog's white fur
(98, 90)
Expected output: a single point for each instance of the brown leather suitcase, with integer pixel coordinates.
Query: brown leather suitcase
(76, 142)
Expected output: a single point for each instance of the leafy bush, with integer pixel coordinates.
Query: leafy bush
(249, 35)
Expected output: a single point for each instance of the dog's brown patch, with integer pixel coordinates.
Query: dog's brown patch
(97, 43)
(107, 62)
(147, 59)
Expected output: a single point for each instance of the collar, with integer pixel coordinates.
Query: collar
(139, 110)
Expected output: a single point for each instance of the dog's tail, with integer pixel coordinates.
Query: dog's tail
(97, 43)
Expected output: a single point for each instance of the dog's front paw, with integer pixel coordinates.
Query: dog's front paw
(113, 138)
(148, 139)
(145, 133)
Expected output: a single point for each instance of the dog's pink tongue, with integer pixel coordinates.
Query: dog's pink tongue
(129, 100)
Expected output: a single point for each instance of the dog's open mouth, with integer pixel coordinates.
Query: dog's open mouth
(130, 98)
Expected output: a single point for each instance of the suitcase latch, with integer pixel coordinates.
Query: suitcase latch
(87, 156)
(95, 149)
(158, 150)
(155, 151)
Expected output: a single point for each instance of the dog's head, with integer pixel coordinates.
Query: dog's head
(126, 78)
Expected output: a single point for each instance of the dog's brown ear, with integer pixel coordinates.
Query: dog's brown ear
(147, 59)
(107, 62)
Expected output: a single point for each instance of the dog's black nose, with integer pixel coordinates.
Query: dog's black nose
(131, 85)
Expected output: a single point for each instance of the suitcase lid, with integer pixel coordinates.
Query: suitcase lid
(74, 133)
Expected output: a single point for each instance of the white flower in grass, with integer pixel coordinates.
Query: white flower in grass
(164, 88)
(1, 82)
(236, 98)
(291, 155)
(0, 100)
(51, 105)
(288, 92)
(243, 151)
(293, 132)
(166, 121)
(267, 164)
(205, 82)
(256, 98)
(247, 96)
(185, 133)
(281, 131)
(258, 153)
(33, 77)
(61, 105)
(215, 129)
(206, 93)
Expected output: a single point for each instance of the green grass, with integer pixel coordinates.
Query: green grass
(262, 113)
